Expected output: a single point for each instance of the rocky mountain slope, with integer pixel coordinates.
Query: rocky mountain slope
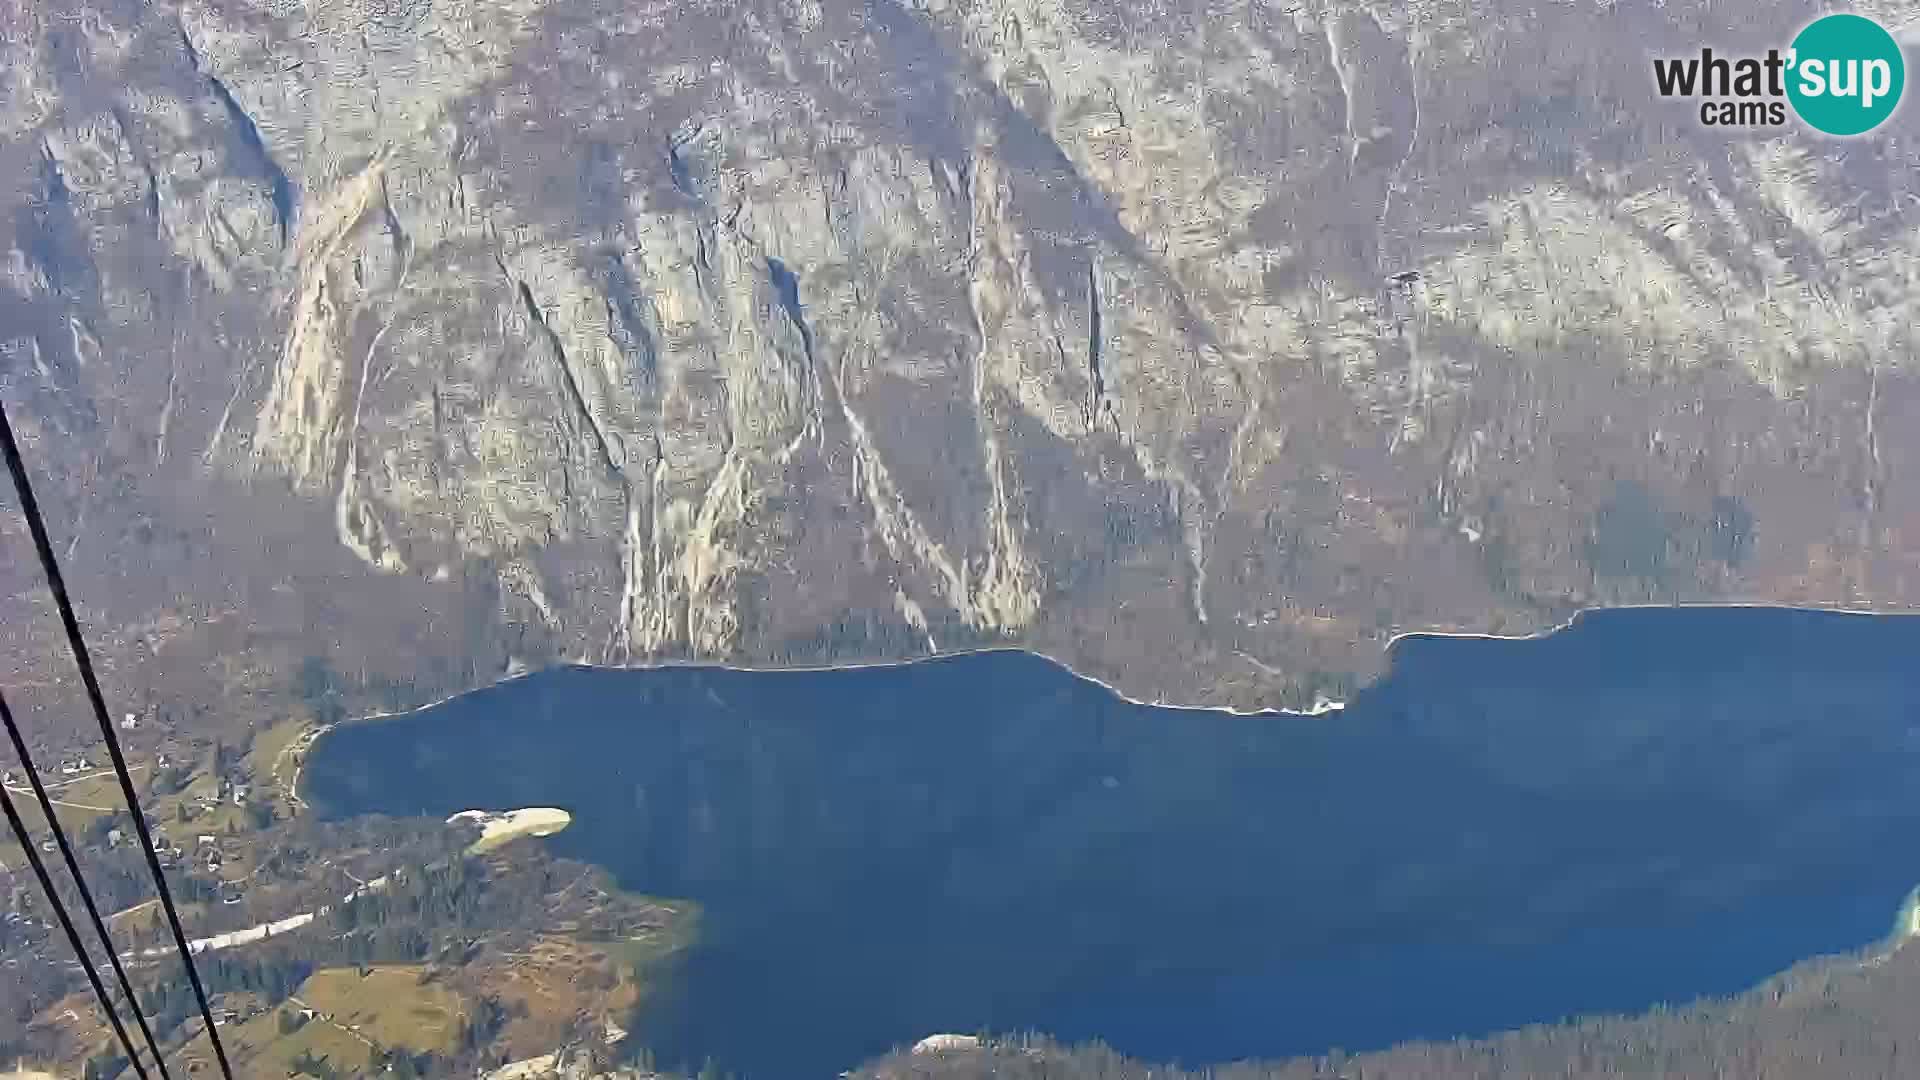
(1202, 345)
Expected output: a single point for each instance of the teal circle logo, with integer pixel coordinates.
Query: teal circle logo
(1845, 74)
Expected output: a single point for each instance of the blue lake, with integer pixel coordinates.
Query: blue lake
(1650, 806)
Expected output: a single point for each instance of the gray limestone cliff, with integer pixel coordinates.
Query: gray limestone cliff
(1203, 346)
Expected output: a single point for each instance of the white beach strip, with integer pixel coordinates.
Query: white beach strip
(499, 826)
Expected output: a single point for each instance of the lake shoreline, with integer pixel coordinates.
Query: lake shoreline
(1323, 708)
(1701, 791)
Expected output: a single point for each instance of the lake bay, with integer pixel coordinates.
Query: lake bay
(1646, 807)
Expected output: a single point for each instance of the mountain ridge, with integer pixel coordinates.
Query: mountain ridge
(1204, 347)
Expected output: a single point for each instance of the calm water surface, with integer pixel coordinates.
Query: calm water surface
(1649, 807)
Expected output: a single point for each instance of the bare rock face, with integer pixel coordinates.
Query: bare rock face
(1202, 346)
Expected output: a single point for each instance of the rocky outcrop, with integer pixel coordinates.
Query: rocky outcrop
(1202, 347)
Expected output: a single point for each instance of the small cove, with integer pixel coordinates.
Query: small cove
(1648, 806)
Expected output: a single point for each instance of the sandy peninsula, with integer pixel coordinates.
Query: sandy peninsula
(499, 826)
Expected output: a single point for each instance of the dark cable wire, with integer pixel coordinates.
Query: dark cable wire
(86, 894)
(73, 935)
(78, 645)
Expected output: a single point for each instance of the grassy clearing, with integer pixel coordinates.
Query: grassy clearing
(269, 759)
(391, 1005)
(268, 1051)
(77, 805)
